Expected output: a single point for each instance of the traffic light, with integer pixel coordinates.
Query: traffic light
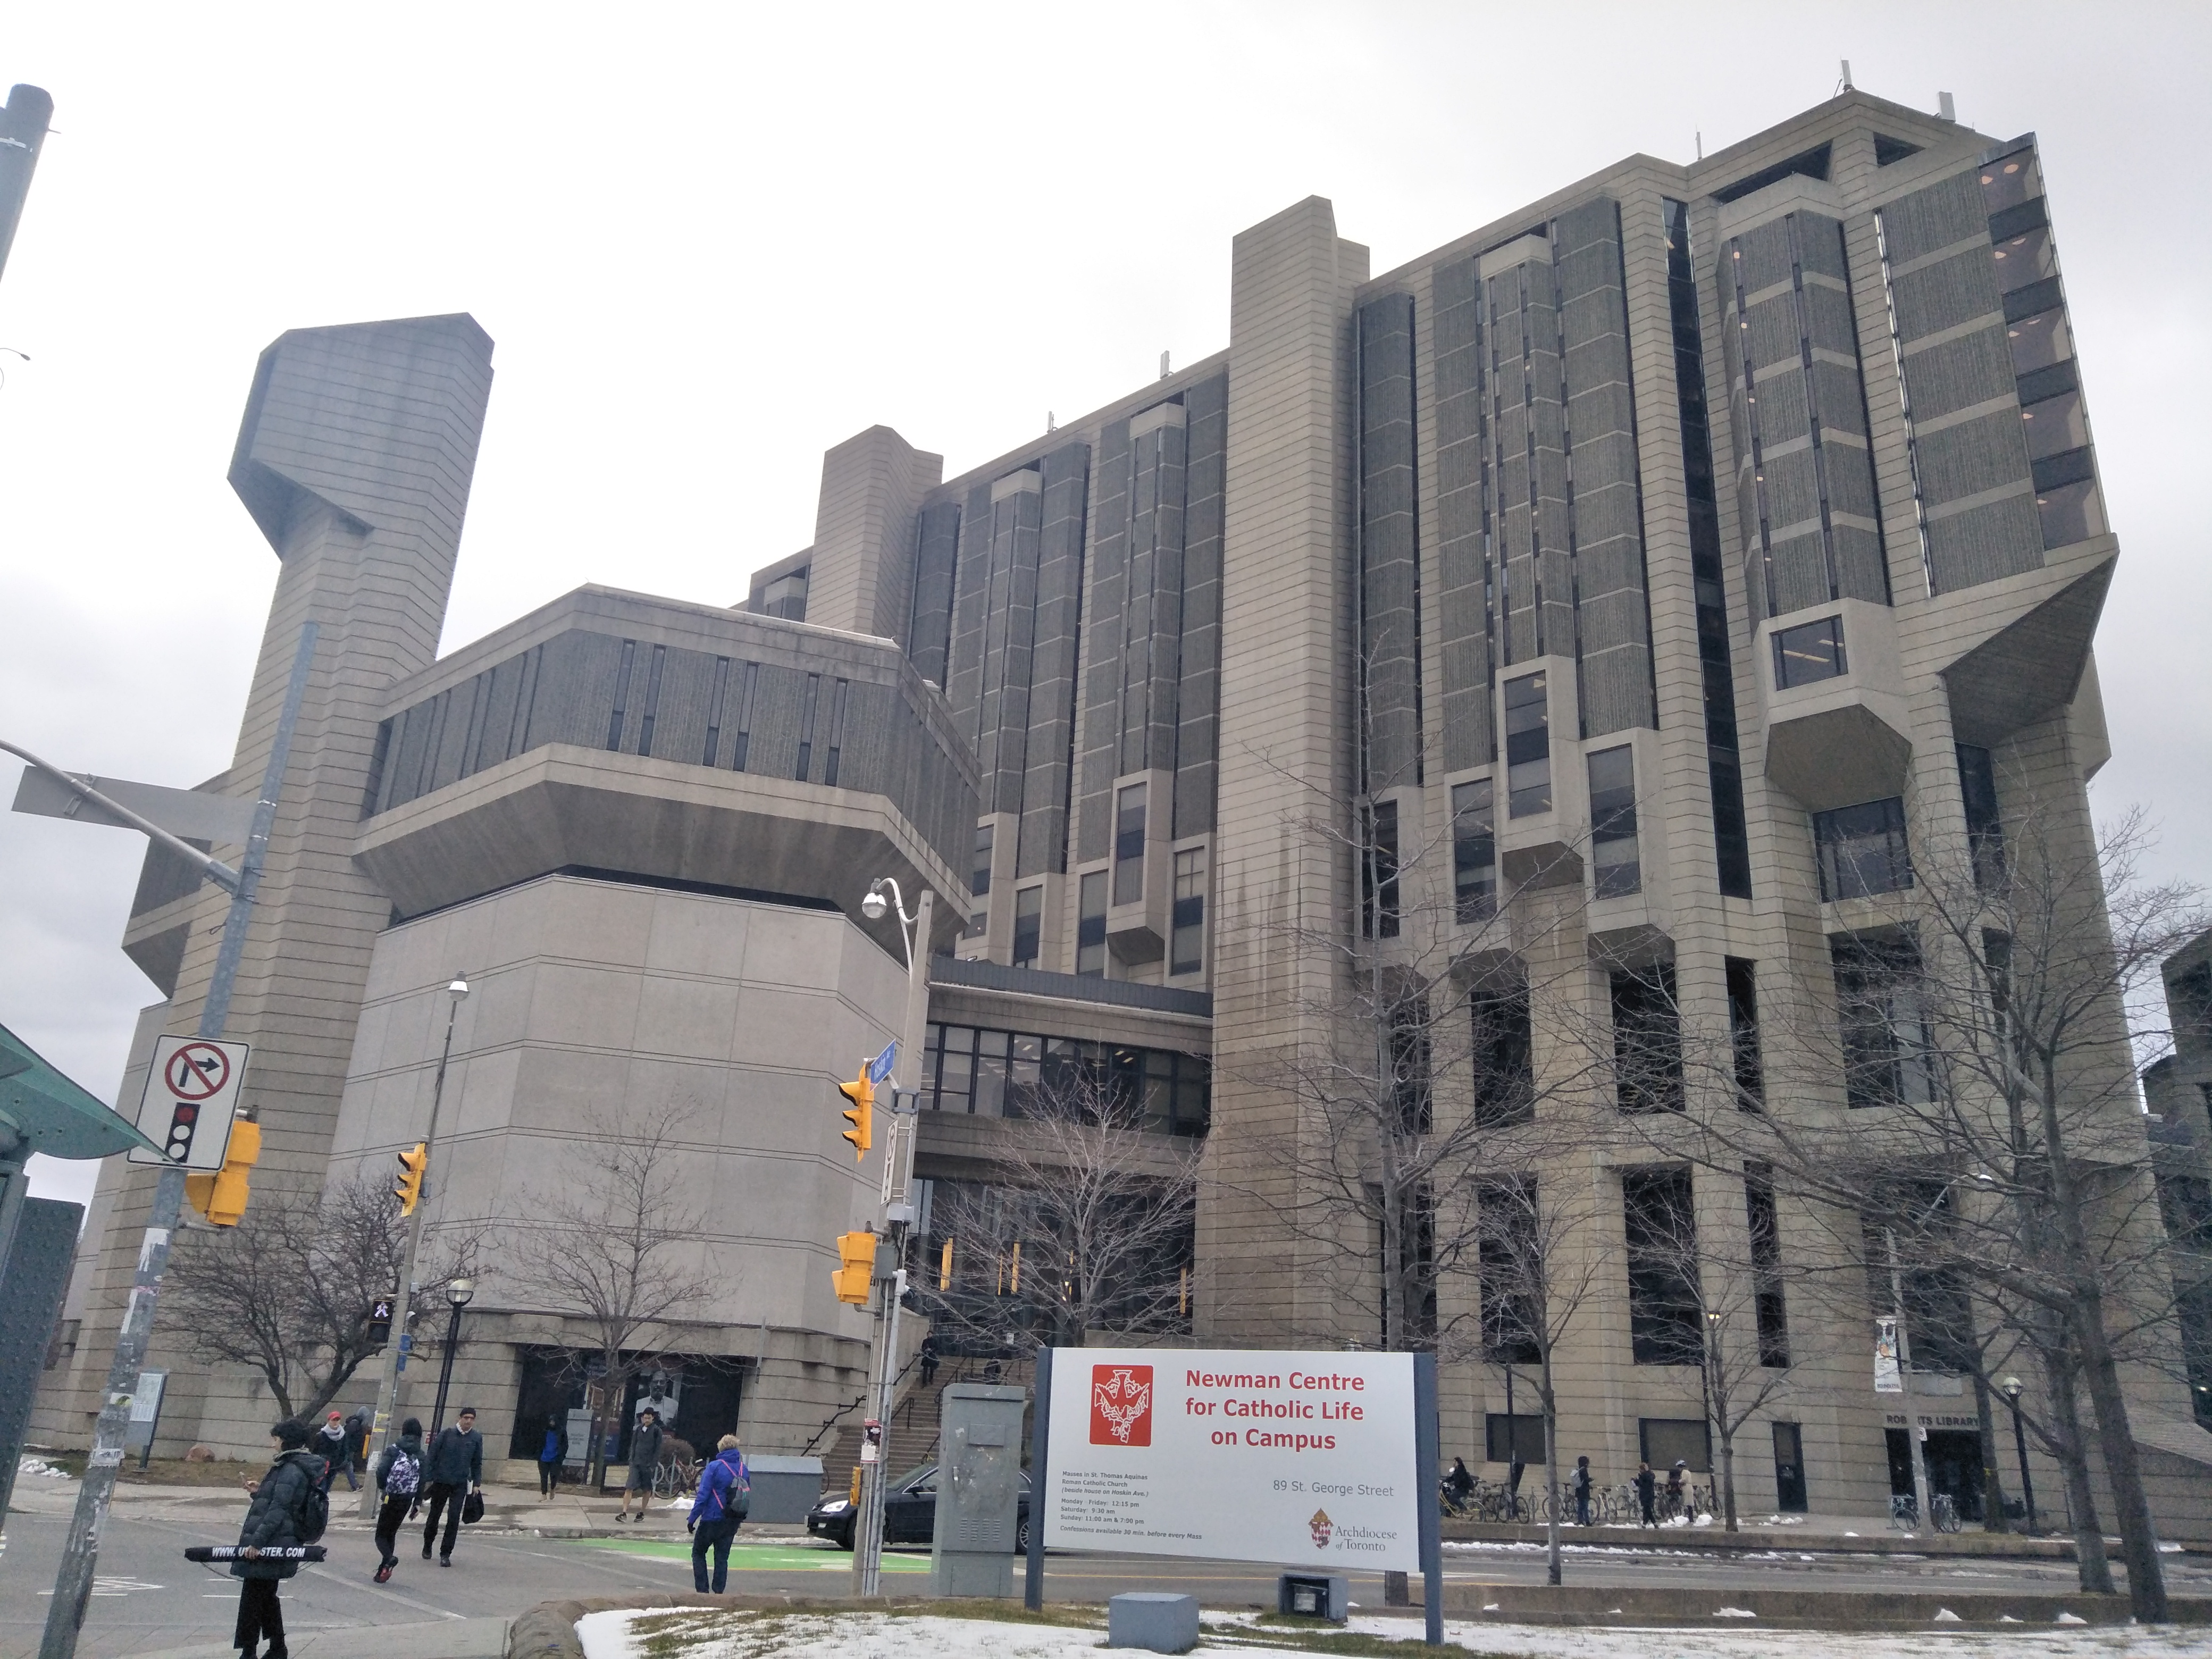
(414, 1164)
(862, 1093)
(219, 1195)
(380, 1321)
(857, 1252)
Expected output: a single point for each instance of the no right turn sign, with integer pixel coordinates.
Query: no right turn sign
(190, 1096)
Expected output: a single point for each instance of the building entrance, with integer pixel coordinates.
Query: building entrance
(1954, 1467)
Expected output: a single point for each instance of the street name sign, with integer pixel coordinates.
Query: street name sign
(190, 1096)
(1236, 1455)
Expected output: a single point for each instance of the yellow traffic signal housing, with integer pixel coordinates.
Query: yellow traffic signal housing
(857, 1252)
(860, 1113)
(221, 1195)
(414, 1164)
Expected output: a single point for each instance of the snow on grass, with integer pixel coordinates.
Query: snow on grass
(1074, 1633)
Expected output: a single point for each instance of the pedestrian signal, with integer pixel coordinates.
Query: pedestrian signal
(862, 1094)
(857, 1252)
(414, 1163)
(221, 1194)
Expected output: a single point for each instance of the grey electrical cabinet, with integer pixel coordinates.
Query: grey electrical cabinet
(979, 1491)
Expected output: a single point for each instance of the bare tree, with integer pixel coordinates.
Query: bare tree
(1081, 1222)
(288, 1291)
(610, 1251)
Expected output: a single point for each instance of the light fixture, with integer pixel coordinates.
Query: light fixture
(457, 988)
(874, 905)
(459, 1290)
(2010, 1388)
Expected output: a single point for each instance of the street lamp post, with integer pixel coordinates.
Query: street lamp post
(1912, 1433)
(387, 1395)
(2010, 1388)
(458, 1293)
(897, 1215)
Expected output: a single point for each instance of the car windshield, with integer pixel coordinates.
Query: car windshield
(915, 1477)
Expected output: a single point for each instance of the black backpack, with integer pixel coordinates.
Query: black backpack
(314, 1512)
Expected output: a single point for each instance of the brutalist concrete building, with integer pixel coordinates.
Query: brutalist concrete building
(1628, 581)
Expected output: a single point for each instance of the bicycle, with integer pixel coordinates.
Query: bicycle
(1903, 1512)
(674, 1476)
(1944, 1512)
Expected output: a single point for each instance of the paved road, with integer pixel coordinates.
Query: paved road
(149, 1600)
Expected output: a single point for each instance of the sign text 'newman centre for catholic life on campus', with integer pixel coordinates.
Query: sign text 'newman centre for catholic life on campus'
(1238, 1455)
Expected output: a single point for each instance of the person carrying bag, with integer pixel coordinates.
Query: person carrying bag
(724, 1500)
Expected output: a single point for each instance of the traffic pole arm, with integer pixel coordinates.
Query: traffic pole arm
(214, 868)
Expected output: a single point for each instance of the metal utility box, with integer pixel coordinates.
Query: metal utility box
(784, 1488)
(1314, 1596)
(978, 1488)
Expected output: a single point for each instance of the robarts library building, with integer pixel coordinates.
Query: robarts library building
(1628, 582)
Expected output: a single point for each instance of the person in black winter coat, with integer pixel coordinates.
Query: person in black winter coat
(645, 1441)
(276, 1519)
(453, 1469)
(399, 1478)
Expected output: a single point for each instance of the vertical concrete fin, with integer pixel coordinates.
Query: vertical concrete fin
(865, 533)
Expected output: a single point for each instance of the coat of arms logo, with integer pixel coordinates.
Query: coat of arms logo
(1121, 1405)
(1321, 1526)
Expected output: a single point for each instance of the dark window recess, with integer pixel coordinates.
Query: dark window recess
(1028, 924)
(717, 700)
(376, 758)
(1474, 852)
(2068, 513)
(1528, 747)
(1766, 1225)
(1187, 926)
(979, 882)
(1811, 164)
(979, 923)
(1663, 1442)
(1724, 768)
(2194, 1308)
(1809, 652)
(836, 733)
(1014, 1074)
(1504, 1051)
(1647, 1039)
(1516, 1439)
(1977, 784)
(1743, 1032)
(652, 700)
(807, 705)
(748, 684)
(621, 694)
(1861, 850)
(1666, 1316)
(1129, 846)
(1408, 1081)
(2040, 343)
(1888, 1050)
(1417, 1256)
(2186, 1203)
(1378, 871)
(1912, 1218)
(1889, 151)
(1506, 1258)
(2052, 381)
(1091, 924)
(1615, 871)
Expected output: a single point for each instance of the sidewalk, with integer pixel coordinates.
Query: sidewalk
(447, 1638)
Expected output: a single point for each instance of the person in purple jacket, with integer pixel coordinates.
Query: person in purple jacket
(726, 1494)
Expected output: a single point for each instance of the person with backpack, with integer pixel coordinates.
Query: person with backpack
(289, 1507)
(1646, 1495)
(551, 1456)
(398, 1477)
(453, 1469)
(1581, 1482)
(725, 1498)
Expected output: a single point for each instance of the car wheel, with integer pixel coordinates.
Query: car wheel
(845, 1537)
(1022, 1537)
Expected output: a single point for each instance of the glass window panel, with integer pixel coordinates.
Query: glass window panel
(1091, 924)
(980, 882)
(1863, 850)
(2056, 425)
(1029, 925)
(991, 1075)
(1528, 747)
(1615, 867)
(1129, 846)
(1474, 852)
(956, 1080)
(2011, 179)
(2028, 258)
(1809, 652)
(2072, 513)
(2040, 341)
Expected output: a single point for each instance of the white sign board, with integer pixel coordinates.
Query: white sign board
(1887, 1379)
(1236, 1455)
(192, 1092)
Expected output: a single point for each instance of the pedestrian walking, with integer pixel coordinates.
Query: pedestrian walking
(290, 1506)
(1581, 1480)
(644, 1453)
(928, 1356)
(1513, 1472)
(334, 1446)
(358, 1440)
(724, 1496)
(399, 1478)
(1646, 1493)
(453, 1469)
(552, 1455)
(1674, 1487)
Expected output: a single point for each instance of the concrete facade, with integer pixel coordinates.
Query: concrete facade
(1664, 560)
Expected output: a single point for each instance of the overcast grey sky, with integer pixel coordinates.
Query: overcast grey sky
(711, 242)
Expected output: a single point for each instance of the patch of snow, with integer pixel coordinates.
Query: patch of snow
(2065, 1618)
(1733, 1613)
(1945, 1616)
(43, 1470)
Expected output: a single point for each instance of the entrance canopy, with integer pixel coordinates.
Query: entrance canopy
(47, 1113)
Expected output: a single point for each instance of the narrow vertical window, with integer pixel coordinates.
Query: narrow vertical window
(1888, 1048)
(716, 701)
(621, 694)
(1666, 1322)
(749, 684)
(1528, 747)
(652, 700)
(1743, 1033)
(1504, 1053)
(1474, 852)
(1647, 1039)
(979, 883)
(836, 733)
(1614, 864)
(1187, 943)
(1767, 1266)
(1861, 850)
(1028, 924)
(1977, 782)
(1129, 846)
(1378, 871)
(1091, 924)
(813, 695)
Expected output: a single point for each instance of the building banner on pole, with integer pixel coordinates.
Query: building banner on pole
(1887, 1379)
(1236, 1455)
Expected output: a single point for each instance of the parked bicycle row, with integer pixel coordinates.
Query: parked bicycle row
(1650, 1499)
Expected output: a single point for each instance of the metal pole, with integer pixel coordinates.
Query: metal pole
(446, 1370)
(388, 1395)
(1905, 1374)
(80, 1552)
(2020, 1443)
(1040, 1464)
(1427, 1455)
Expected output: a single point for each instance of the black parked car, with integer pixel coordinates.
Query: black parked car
(909, 1512)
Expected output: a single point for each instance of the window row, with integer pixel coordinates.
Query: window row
(1016, 1074)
